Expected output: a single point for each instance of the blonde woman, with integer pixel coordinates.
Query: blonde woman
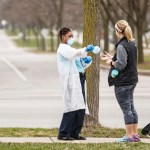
(123, 75)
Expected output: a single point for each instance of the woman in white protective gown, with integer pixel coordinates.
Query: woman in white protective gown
(74, 105)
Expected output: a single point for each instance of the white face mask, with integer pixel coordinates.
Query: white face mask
(70, 41)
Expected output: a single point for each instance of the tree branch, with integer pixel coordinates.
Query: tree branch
(55, 6)
(114, 10)
(135, 5)
(145, 8)
(124, 10)
(107, 12)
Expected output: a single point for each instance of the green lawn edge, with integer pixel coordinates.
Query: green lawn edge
(74, 146)
(97, 131)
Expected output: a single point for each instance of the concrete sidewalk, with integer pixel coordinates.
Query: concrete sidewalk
(54, 140)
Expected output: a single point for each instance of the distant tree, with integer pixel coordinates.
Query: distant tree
(105, 29)
(33, 15)
(135, 11)
(140, 9)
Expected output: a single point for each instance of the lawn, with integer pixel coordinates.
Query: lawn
(97, 131)
(32, 44)
(58, 146)
(146, 64)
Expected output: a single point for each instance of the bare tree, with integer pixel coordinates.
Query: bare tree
(105, 29)
(135, 11)
(110, 15)
(91, 34)
(27, 15)
(140, 9)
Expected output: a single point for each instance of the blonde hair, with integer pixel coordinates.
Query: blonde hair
(123, 27)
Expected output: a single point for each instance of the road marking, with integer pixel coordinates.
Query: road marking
(15, 69)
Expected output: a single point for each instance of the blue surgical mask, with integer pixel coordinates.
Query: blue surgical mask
(70, 41)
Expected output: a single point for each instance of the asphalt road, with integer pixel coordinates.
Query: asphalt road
(30, 94)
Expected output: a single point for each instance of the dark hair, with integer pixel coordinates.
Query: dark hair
(63, 31)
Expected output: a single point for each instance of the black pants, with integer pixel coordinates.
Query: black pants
(82, 80)
(72, 123)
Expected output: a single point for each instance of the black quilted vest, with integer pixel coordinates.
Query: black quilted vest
(129, 75)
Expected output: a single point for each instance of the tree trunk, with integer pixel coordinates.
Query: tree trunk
(28, 35)
(36, 38)
(13, 28)
(51, 40)
(146, 41)
(140, 45)
(37, 41)
(91, 34)
(59, 10)
(43, 43)
(106, 35)
(24, 35)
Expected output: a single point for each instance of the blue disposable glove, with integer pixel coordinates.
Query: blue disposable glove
(89, 48)
(86, 62)
(114, 73)
(87, 59)
(94, 49)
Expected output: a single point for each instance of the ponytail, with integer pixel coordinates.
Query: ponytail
(128, 33)
(123, 27)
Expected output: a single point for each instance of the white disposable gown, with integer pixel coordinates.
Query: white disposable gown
(69, 77)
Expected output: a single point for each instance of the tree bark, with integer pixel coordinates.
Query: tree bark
(36, 38)
(43, 43)
(91, 34)
(146, 41)
(24, 34)
(106, 35)
(140, 45)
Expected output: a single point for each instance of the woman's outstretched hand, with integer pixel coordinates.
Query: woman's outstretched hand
(107, 57)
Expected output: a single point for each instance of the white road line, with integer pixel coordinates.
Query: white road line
(15, 69)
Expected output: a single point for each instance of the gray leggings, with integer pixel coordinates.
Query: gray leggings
(124, 95)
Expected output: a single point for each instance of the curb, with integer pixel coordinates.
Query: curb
(55, 140)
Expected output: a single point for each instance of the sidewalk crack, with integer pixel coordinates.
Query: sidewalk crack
(51, 139)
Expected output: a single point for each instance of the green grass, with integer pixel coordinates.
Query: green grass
(32, 43)
(97, 131)
(146, 64)
(16, 31)
(27, 132)
(59, 146)
(12, 33)
(28, 43)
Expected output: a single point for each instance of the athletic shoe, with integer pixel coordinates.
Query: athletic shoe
(136, 138)
(125, 139)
